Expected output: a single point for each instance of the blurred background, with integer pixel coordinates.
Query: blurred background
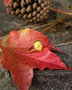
(62, 4)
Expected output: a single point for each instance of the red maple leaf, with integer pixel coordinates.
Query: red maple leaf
(7, 2)
(24, 50)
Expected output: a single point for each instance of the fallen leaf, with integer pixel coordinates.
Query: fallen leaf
(24, 50)
(7, 3)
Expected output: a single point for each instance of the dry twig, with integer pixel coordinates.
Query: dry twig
(62, 44)
(56, 22)
(67, 23)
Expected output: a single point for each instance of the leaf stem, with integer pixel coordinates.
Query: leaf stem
(61, 11)
(67, 23)
(55, 22)
(62, 44)
(19, 25)
(40, 26)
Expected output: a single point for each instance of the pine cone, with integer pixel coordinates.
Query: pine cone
(31, 10)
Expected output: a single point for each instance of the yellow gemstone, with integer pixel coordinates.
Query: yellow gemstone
(38, 45)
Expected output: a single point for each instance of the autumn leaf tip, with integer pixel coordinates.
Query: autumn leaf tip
(7, 2)
(1, 42)
(68, 69)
